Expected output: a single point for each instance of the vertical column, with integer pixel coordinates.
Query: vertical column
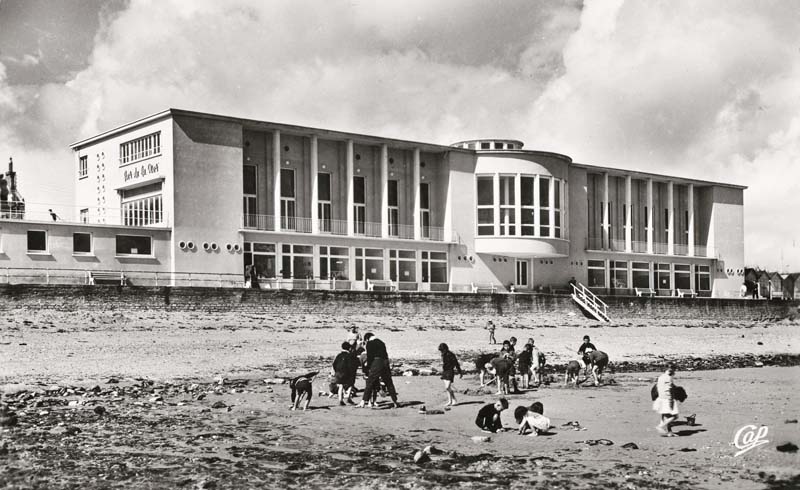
(448, 205)
(649, 216)
(518, 205)
(496, 203)
(671, 218)
(551, 201)
(628, 219)
(690, 225)
(384, 191)
(349, 177)
(536, 215)
(276, 177)
(417, 222)
(605, 224)
(314, 187)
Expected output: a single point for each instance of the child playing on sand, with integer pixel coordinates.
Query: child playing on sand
(301, 390)
(500, 368)
(449, 367)
(531, 418)
(524, 364)
(489, 416)
(344, 372)
(491, 328)
(665, 404)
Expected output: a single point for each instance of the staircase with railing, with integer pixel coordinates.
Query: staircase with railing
(589, 302)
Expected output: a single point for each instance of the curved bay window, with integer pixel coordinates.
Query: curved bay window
(519, 205)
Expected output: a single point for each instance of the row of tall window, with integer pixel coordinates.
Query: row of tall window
(288, 209)
(297, 262)
(628, 275)
(539, 201)
(82, 243)
(83, 166)
(140, 148)
(143, 206)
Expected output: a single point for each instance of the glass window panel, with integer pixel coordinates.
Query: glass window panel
(359, 190)
(485, 191)
(374, 252)
(303, 249)
(340, 251)
(249, 181)
(641, 278)
(392, 191)
(134, 245)
(597, 278)
(324, 186)
(37, 241)
(287, 182)
(424, 196)
(439, 256)
(81, 243)
(407, 270)
(526, 191)
(557, 194)
(544, 192)
(485, 216)
(438, 272)
(506, 190)
(407, 254)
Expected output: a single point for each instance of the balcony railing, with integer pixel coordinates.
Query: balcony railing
(265, 222)
(659, 248)
(141, 218)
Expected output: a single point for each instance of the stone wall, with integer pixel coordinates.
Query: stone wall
(537, 308)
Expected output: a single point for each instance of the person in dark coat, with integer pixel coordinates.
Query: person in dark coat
(449, 367)
(345, 368)
(379, 369)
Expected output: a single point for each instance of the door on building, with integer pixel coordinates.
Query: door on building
(522, 275)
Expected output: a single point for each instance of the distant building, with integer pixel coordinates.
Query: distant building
(183, 196)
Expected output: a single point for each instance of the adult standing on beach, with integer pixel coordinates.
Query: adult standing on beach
(449, 367)
(379, 368)
(665, 404)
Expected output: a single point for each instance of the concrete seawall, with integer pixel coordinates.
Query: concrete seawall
(539, 308)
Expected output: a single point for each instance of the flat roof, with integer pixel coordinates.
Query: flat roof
(257, 124)
(654, 176)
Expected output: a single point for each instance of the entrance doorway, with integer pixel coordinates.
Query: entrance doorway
(522, 274)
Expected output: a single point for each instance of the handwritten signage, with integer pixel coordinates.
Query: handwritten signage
(143, 170)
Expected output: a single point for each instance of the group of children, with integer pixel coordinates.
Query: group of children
(531, 419)
(506, 364)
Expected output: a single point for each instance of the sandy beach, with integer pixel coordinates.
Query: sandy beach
(195, 401)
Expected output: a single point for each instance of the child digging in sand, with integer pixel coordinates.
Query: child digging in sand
(531, 418)
(489, 416)
(449, 367)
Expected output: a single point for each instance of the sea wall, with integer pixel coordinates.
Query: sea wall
(355, 303)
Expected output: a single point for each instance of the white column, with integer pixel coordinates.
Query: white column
(536, 217)
(605, 225)
(518, 205)
(384, 191)
(496, 203)
(416, 221)
(314, 187)
(671, 218)
(628, 219)
(551, 200)
(349, 177)
(690, 225)
(276, 177)
(448, 206)
(650, 216)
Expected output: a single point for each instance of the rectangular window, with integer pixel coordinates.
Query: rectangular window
(425, 209)
(641, 274)
(84, 215)
(619, 274)
(140, 148)
(486, 205)
(37, 241)
(296, 261)
(359, 205)
(249, 198)
(262, 256)
(544, 207)
(597, 273)
(83, 167)
(434, 267)
(142, 206)
(134, 245)
(661, 276)
(288, 204)
(81, 243)
(702, 277)
(527, 206)
(369, 264)
(403, 265)
(557, 208)
(394, 209)
(507, 201)
(683, 276)
(485, 191)
(324, 206)
(334, 263)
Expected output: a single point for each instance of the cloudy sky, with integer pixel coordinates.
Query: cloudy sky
(696, 88)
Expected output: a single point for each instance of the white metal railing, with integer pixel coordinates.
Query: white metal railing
(89, 215)
(265, 222)
(590, 300)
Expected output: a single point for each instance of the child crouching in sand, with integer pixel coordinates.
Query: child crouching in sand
(531, 418)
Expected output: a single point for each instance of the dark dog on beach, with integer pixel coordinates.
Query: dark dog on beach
(302, 390)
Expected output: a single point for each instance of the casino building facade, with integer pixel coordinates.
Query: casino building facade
(183, 196)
